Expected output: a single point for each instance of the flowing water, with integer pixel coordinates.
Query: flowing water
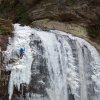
(55, 66)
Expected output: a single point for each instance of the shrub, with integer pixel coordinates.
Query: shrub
(70, 2)
(3, 31)
(94, 30)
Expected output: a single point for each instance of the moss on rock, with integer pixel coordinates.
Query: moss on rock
(70, 2)
(94, 30)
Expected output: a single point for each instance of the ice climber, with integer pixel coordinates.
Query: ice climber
(22, 51)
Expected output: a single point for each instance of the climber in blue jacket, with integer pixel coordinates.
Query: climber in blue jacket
(21, 51)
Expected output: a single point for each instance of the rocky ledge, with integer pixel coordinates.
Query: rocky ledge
(76, 29)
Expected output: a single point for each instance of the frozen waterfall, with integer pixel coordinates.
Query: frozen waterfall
(55, 66)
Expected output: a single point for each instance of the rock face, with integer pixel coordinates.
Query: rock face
(4, 79)
(6, 29)
(80, 12)
(66, 10)
(85, 11)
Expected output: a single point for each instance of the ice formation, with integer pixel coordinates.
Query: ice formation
(73, 64)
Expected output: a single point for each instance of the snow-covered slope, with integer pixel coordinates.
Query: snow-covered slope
(55, 66)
